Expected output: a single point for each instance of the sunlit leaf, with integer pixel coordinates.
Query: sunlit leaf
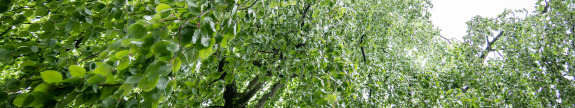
(77, 71)
(51, 76)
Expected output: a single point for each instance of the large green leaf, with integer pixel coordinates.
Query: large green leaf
(44, 87)
(123, 65)
(205, 53)
(147, 83)
(136, 31)
(157, 69)
(102, 69)
(162, 6)
(34, 27)
(162, 83)
(119, 3)
(5, 55)
(121, 54)
(96, 79)
(77, 71)
(23, 100)
(187, 34)
(164, 49)
(51, 76)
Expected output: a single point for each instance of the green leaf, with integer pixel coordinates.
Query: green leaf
(228, 36)
(44, 87)
(133, 79)
(147, 83)
(89, 19)
(157, 69)
(331, 98)
(69, 26)
(107, 91)
(29, 13)
(176, 65)
(34, 27)
(205, 41)
(121, 54)
(125, 89)
(162, 83)
(229, 78)
(102, 69)
(39, 99)
(162, 49)
(205, 53)
(123, 65)
(136, 31)
(161, 7)
(119, 3)
(194, 11)
(51, 76)
(5, 55)
(96, 79)
(77, 71)
(13, 84)
(23, 100)
(88, 11)
(173, 47)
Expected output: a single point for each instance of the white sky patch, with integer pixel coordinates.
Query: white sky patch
(450, 15)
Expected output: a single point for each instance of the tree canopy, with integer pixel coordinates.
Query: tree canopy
(280, 53)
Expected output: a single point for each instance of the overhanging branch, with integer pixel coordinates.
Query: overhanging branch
(546, 8)
(445, 39)
(269, 95)
(254, 3)
(490, 45)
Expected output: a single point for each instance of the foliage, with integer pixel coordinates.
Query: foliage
(279, 53)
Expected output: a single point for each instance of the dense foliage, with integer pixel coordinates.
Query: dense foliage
(280, 53)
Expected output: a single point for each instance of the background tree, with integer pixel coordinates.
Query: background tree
(278, 53)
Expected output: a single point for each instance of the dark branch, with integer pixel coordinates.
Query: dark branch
(365, 61)
(304, 14)
(3, 33)
(362, 51)
(89, 57)
(253, 82)
(445, 39)
(269, 95)
(78, 41)
(110, 85)
(546, 8)
(249, 6)
(229, 94)
(257, 63)
(221, 65)
(490, 45)
(251, 93)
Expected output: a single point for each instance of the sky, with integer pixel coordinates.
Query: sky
(450, 15)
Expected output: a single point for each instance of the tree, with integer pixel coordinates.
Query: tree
(282, 53)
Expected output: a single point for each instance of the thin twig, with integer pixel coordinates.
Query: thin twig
(445, 39)
(249, 6)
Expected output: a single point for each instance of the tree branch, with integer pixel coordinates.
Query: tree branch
(489, 45)
(269, 95)
(3, 33)
(251, 93)
(546, 8)
(249, 6)
(445, 39)
(304, 14)
(229, 94)
(89, 57)
(361, 47)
